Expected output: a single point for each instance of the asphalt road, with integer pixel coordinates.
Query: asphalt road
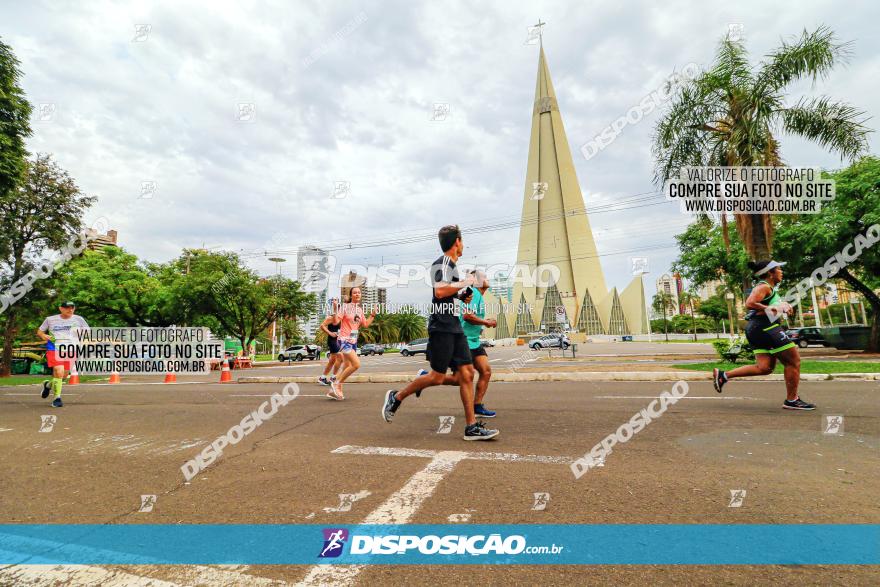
(110, 445)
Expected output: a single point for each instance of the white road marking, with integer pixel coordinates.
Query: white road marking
(6, 429)
(267, 395)
(405, 502)
(681, 398)
(346, 500)
(88, 575)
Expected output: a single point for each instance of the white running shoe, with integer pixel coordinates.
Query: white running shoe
(335, 392)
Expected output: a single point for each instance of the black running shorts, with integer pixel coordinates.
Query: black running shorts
(332, 344)
(478, 352)
(447, 350)
(767, 337)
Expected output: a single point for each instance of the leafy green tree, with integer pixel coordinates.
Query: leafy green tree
(703, 257)
(43, 214)
(665, 304)
(293, 332)
(731, 115)
(715, 309)
(15, 114)
(216, 288)
(807, 242)
(689, 299)
(112, 288)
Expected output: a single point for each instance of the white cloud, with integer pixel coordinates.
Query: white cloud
(164, 110)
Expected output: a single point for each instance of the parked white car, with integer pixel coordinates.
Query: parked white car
(420, 345)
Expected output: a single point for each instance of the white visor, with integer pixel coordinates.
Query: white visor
(770, 267)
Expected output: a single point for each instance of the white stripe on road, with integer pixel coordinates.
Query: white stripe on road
(681, 398)
(265, 395)
(476, 456)
(385, 451)
(88, 575)
(404, 503)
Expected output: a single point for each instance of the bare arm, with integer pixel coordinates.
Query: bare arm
(368, 321)
(759, 292)
(43, 336)
(474, 319)
(327, 321)
(445, 290)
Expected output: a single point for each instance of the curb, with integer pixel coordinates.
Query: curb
(574, 376)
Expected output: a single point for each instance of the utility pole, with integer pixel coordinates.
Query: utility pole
(278, 261)
(816, 312)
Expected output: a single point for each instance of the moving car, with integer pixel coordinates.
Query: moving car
(804, 337)
(487, 342)
(419, 345)
(372, 349)
(298, 352)
(549, 341)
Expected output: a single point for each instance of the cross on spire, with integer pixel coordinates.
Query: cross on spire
(536, 28)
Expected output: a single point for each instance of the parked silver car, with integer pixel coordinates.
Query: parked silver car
(559, 341)
(419, 345)
(298, 352)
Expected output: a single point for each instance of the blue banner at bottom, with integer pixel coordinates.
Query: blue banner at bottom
(600, 544)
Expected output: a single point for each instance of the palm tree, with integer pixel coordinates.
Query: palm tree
(688, 298)
(662, 302)
(382, 330)
(731, 114)
(410, 325)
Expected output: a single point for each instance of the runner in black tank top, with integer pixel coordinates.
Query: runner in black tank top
(767, 336)
(334, 359)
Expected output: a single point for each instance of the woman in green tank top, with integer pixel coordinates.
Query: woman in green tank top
(767, 336)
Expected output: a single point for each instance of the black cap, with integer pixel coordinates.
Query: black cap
(67, 304)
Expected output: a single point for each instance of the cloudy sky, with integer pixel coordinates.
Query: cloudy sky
(345, 92)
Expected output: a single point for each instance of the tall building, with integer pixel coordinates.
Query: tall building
(100, 241)
(709, 289)
(313, 275)
(370, 295)
(555, 230)
(667, 284)
(500, 286)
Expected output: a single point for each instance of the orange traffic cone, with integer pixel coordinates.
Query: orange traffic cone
(170, 378)
(114, 377)
(225, 373)
(74, 376)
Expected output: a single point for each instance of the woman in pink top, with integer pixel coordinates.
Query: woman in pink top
(351, 319)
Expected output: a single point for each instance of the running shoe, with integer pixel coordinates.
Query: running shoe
(390, 406)
(323, 380)
(478, 431)
(719, 378)
(335, 392)
(47, 387)
(797, 404)
(480, 410)
(57, 403)
(333, 379)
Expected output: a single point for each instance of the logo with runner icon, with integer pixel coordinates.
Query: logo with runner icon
(334, 541)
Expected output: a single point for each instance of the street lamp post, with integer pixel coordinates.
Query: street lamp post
(730, 297)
